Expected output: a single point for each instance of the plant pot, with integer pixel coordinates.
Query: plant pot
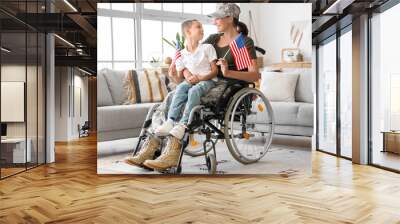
(155, 64)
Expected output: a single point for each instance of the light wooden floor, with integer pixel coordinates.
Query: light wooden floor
(70, 191)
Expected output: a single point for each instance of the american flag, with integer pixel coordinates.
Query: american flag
(177, 53)
(240, 53)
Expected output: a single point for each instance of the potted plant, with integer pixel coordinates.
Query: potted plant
(179, 42)
(155, 62)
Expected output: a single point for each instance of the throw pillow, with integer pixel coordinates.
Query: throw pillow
(145, 86)
(278, 86)
(103, 92)
(114, 80)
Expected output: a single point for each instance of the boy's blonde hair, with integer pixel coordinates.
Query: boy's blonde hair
(186, 25)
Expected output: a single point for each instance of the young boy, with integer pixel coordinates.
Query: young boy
(200, 61)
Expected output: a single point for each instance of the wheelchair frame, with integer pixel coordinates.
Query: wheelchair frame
(200, 117)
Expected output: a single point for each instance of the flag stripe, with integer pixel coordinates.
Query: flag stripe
(240, 54)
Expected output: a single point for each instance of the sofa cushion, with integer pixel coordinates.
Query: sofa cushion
(304, 85)
(293, 113)
(115, 82)
(109, 148)
(145, 86)
(278, 86)
(103, 92)
(120, 117)
(294, 130)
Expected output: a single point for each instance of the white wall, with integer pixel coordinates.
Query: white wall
(34, 125)
(272, 22)
(82, 83)
(67, 81)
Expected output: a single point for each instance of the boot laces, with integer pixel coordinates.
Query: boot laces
(170, 145)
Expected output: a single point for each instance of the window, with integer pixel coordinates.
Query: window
(23, 76)
(172, 7)
(394, 101)
(123, 45)
(194, 8)
(385, 88)
(209, 8)
(208, 30)
(116, 36)
(154, 6)
(346, 94)
(104, 5)
(104, 38)
(169, 32)
(151, 40)
(123, 7)
(130, 34)
(327, 97)
(334, 104)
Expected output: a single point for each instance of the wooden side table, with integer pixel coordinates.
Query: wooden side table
(391, 141)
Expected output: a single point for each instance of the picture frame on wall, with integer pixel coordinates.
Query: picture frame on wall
(291, 55)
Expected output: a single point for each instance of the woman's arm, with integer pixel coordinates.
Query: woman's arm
(213, 73)
(252, 75)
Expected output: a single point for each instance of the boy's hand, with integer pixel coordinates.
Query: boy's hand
(193, 79)
(199, 77)
(224, 66)
(172, 71)
(186, 74)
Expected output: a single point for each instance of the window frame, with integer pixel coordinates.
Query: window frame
(140, 13)
(336, 36)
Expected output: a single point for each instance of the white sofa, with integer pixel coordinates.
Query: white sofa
(114, 119)
(118, 121)
(296, 118)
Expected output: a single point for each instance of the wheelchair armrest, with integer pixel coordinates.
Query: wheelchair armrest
(151, 111)
(232, 86)
(194, 110)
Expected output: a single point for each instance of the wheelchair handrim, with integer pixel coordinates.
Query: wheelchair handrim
(229, 121)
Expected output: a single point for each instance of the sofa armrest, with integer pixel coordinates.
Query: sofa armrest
(121, 117)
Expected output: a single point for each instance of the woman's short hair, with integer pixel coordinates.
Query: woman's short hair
(186, 25)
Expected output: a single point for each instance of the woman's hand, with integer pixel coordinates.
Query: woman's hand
(224, 66)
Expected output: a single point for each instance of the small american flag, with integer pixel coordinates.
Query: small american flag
(177, 53)
(240, 53)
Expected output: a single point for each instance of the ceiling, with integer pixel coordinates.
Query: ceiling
(76, 23)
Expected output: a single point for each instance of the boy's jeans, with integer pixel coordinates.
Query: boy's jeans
(190, 93)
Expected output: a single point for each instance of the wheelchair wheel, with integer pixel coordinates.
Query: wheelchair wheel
(195, 145)
(248, 125)
(211, 163)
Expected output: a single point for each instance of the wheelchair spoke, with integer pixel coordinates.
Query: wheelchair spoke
(249, 126)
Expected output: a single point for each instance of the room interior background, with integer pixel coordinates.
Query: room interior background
(130, 37)
(22, 61)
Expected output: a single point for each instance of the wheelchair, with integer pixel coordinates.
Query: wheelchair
(241, 116)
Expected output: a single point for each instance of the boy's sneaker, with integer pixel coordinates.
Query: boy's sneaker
(165, 128)
(178, 131)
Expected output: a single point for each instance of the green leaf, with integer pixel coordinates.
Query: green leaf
(168, 42)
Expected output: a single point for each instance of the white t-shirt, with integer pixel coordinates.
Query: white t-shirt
(198, 62)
